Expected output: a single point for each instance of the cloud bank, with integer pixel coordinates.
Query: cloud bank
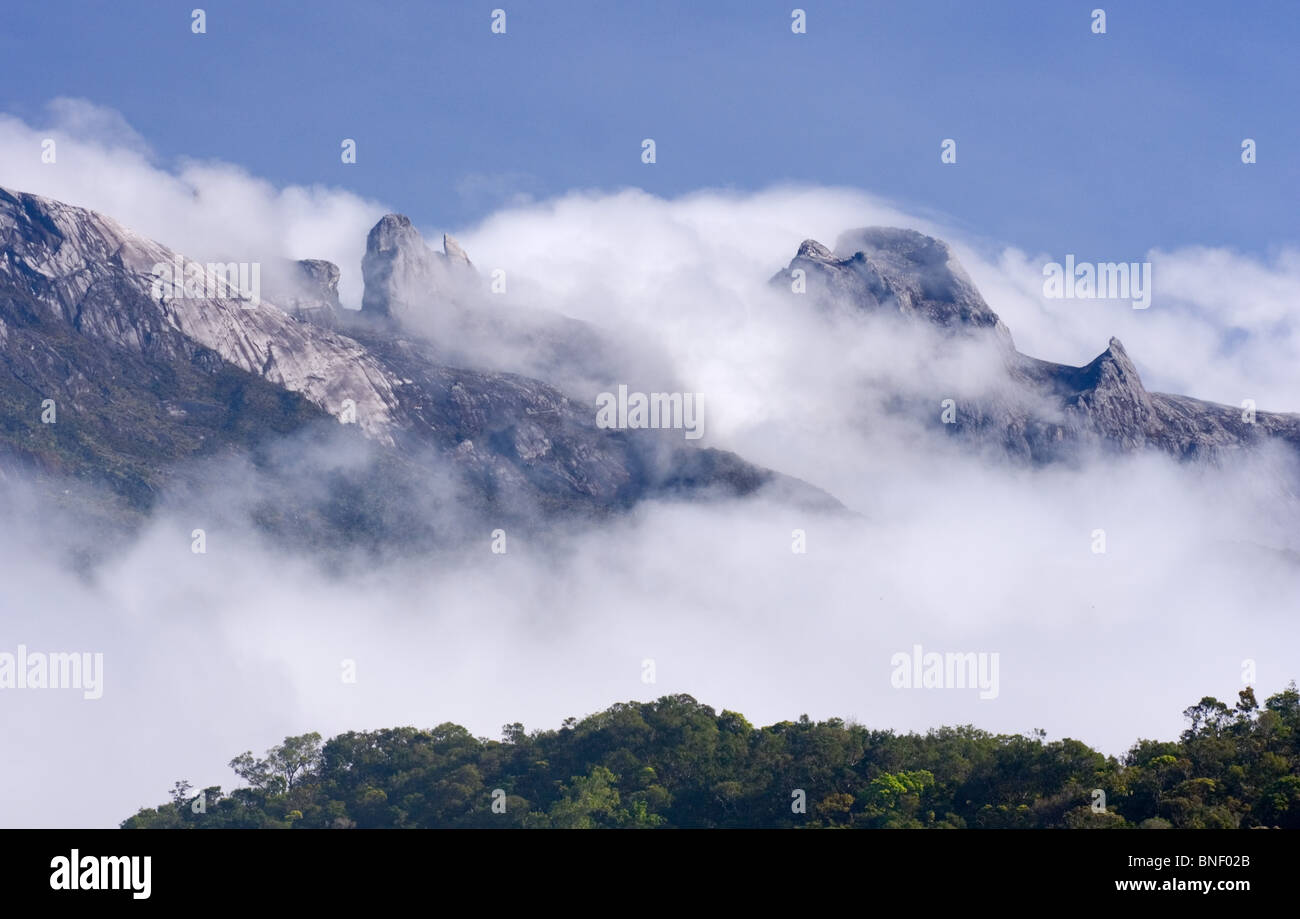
(208, 655)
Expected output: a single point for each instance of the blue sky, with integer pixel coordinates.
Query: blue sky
(1067, 141)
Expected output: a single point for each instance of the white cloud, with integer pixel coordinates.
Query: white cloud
(209, 655)
(1220, 327)
(206, 210)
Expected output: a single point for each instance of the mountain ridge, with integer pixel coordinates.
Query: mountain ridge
(143, 382)
(898, 273)
(80, 287)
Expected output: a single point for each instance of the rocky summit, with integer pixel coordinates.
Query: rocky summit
(893, 270)
(106, 383)
(401, 272)
(1043, 412)
(114, 384)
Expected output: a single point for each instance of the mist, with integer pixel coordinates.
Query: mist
(938, 544)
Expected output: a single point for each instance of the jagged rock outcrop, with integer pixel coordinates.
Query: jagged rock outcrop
(308, 290)
(403, 276)
(1106, 399)
(1041, 411)
(885, 269)
(145, 377)
(439, 300)
(101, 279)
(452, 250)
(321, 279)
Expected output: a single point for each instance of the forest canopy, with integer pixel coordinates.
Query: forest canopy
(675, 762)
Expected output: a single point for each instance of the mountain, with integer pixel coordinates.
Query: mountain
(401, 271)
(308, 289)
(129, 375)
(1040, 411)
(885, 269)
(440, 300)
(148, 387)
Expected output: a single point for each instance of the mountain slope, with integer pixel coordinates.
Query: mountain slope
(142, 382)
(1041, 411)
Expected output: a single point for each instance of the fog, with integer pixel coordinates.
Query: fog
(940, 545)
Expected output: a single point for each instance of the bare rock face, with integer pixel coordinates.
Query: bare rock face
(100, 278)
(452, 250)
(403, 276)
(322, 278)
(145, 378)
(1045, 411)
(886, 269)
(1109, 393)
(1104, 403)
(439, 300)
(308, 290)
